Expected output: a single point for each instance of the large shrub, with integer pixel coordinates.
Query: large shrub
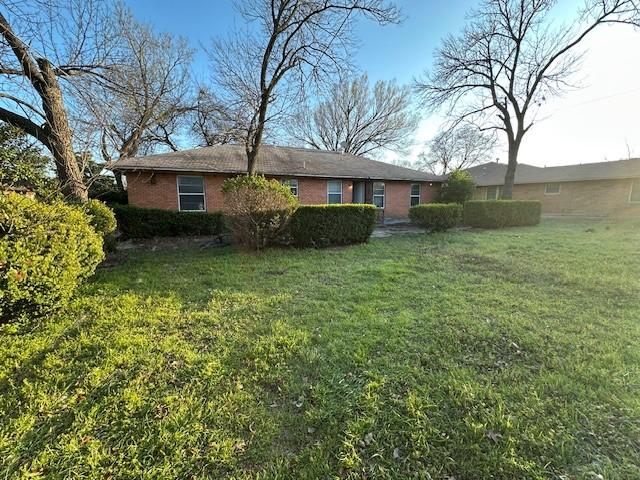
(501, 213)
(436, 216)
(458, 188)
(326, 225)
(136, 222)
(46, 250)
(101, 217)
(257, 209)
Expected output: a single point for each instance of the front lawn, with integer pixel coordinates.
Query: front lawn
(464, 355)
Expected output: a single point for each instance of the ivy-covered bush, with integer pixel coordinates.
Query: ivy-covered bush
(501, 213)
(458, 188)
(326, 225)
(46, 250)
(257, 209)
(436, 216)
(136, 222)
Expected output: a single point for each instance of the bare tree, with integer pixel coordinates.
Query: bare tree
(358, 119)
(214, 123)
(263, 70)
(146, 98)
(508, 59)
(457, 148)
(42, 43)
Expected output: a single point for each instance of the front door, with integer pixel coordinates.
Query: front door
(358, 192)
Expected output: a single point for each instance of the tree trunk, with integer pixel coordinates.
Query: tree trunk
(59, 135)
(509, 177)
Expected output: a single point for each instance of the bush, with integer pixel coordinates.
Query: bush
(458, 188)
(101, 217)
(436, 216)
(501, 213)
(257, 209)
(136, 222)
(46, 250)
(326, 225)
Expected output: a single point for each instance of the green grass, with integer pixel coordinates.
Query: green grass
(479, 354)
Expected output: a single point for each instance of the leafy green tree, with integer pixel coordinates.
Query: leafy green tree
(458, 188)
(22, 164)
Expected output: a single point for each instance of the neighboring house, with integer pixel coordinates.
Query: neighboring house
(590, 189)
(191, 180)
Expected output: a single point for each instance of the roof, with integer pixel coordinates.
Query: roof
(277, 161)
(493, 173)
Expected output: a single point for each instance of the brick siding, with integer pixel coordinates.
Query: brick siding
(587, 198)
(159, 190)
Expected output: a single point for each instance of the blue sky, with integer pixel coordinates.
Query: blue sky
(597, 122)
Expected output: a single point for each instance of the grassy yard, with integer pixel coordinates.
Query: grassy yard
(465, 355)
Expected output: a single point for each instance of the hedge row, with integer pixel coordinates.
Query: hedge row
(326, 225)
(501, 213)
(136, 222)
(436, 216)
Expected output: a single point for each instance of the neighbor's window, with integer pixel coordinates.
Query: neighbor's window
(334, 191)
(191, 194)
(551, 188)
(415, 194)
(292, 183)
(378, 194)
(635, 191)
(493, 192)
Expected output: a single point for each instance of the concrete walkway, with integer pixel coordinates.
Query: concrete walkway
(389, 230)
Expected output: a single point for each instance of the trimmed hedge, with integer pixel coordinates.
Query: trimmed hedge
(46, 250)
(327, 225)
(436, 216)
(136, 222)
(502, 213)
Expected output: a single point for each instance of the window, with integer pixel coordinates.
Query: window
(415, 194)
(334, 191)
(494, 192)
(635, 191)
(551, 188)
(378, 194)
(292, 183)
(191, 194)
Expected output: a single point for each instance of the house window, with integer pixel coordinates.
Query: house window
(378, 194)
(292, 183)
(334, 191)
(551, 188)
(191, 194)
(493, 192)
(635, 191)
(415, 194)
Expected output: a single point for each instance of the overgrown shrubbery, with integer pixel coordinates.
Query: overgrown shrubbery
(326, 225)
(257, 210)
(436, 216)
(458, 188)
(501, 213)
(103, 221)
(136, 222)
(46, 250)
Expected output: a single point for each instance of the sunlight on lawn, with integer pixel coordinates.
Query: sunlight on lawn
(472, 354)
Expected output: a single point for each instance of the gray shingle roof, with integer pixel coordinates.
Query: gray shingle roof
(493, 173)
(277, 161)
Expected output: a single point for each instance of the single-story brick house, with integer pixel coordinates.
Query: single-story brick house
(590, 189)
(191, 180)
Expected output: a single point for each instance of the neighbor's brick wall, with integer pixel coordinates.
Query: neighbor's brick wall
(593, 197)
(159, 190)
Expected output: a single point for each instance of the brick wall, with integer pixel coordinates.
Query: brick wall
(159, 190)
(593, 197)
